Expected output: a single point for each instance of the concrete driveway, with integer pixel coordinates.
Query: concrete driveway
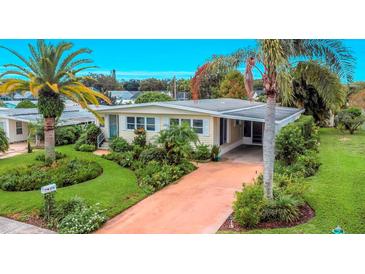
(15, 149)
(199, 203)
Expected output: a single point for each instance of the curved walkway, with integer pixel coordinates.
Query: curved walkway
(199, 203)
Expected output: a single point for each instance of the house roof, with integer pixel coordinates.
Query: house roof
(70, 116)
(223, 107)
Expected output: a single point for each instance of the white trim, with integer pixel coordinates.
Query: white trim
(228, 147)
(291, 116)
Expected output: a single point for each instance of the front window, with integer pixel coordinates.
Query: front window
(19, 128)
(131, 123)
(174, 122)
(150, 124)
(186, 122)
(140, 122)
(198, 126)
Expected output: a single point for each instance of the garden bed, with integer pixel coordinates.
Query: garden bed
(63, 173)
(306, 213)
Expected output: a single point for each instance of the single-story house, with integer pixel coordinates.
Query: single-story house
(15, 121)
(225, 122)
(124, 96)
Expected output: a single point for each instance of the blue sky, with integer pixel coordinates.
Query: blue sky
(140, 59)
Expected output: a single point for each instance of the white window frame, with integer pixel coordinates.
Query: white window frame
(191, 123)
(144, 123)
(17, 127)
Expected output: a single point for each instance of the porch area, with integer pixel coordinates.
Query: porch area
(244, 154)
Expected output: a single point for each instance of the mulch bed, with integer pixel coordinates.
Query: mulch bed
(306, 213)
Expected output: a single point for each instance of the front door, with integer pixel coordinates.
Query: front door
(113, 126)
(222, 131)
(256, 132)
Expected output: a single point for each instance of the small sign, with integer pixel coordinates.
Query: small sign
(48, 188)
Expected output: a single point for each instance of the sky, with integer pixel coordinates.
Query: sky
(141, 59)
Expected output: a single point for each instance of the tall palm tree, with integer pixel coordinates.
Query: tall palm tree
(51, 74)
(274, 59)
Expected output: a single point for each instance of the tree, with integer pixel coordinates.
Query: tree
(152, 96)
(152, 84)
(26, 104)
(103, 83)
(4, 143)
(51, 73)
(273, 59)
(131, 85)
(318, 90)
(233, 85)
(350, 119)
(357, 99)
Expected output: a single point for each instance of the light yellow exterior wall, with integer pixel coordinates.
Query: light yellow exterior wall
(163, 114)
(13, 137)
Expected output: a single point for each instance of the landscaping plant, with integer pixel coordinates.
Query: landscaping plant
(119, 144)
(201, 152)
(350, 119)
(4, 143)
(140, 138)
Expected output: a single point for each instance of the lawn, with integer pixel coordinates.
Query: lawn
(115, 189)
(337, 191)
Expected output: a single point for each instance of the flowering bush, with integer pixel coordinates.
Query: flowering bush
(83, 219)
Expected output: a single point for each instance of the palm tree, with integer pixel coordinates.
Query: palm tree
(275, 59)
(51, 74)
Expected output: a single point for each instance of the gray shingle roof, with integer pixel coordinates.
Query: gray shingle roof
(71, 115)
(259, 113)
(219, 105)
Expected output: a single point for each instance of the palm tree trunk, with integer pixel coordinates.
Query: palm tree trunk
(49, 139)
(269, 146)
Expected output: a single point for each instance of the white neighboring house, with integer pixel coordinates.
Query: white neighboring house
(225, 122)
(15, 121)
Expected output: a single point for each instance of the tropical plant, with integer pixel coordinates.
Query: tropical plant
(177, 141)
(51, 75)
(152, 96)
(350, 119)
(318, 90)
(4, 143)
(274, 59)
(26, 104)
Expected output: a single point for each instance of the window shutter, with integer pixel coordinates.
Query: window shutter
(157, 124)
(165, 123)
(123, 122)
(205, 127)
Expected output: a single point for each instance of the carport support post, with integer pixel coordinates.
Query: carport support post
(269, 145)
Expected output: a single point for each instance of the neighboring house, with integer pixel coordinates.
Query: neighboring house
(124, 96)
(15, 121)
(225, 122)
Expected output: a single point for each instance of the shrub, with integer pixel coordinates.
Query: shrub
(153, 153)
(4, 143)
(137, 150)
(119, 144)
(215, 152)
(83, 220)
(26, 104)
(307, 163)
(154, 175)
(202, 152)
(283, 208)
(249, 205)
(125, 159)
(42, 157)
(140, 138)
(350, 119)
(87, 148)
(67, 135)
(177, 141)
(289, 143)
(66, 207)
(89, 136)
(63, 173)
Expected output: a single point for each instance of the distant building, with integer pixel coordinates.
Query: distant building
(124, 96)
(15, 121)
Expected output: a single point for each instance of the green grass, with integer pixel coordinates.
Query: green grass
(337, 191)
(115, 189)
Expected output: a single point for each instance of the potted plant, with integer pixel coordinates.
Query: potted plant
(215, 153)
